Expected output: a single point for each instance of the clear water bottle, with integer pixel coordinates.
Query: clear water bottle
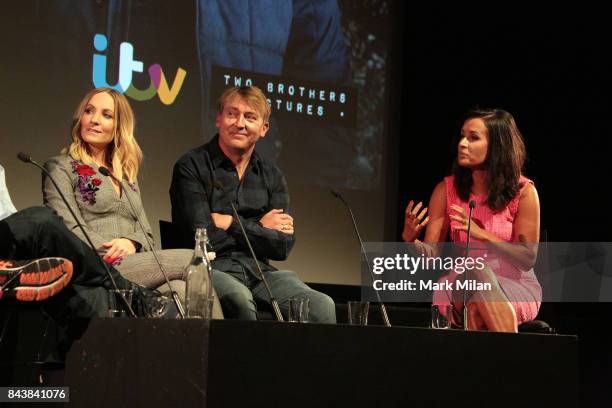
(199, 295)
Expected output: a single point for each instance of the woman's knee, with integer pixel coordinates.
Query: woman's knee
(175, 262)
(475, 321)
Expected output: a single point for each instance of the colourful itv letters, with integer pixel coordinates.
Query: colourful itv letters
(127, 66)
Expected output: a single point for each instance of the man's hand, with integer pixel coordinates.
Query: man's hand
(276, 219)
(222, 221)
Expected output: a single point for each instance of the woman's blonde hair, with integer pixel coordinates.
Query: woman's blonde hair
(124, 154)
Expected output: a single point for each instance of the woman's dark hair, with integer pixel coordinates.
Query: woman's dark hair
(504, 161)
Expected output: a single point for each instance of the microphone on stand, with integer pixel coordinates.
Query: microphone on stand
(179, 306)
(26, 158)
(383, 310)
(273, 301)
(467, 253)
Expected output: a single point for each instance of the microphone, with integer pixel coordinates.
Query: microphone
(217, 184)
(179, 306)
(383, 310)
(467, 253)
(26, 158)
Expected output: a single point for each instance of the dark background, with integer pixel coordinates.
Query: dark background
(551, 72)
(550, 69)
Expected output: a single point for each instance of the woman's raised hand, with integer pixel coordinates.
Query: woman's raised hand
(415, 221)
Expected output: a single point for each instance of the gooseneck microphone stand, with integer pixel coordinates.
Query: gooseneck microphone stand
(273, 300)
(383, 310)
(175, 298)
(467, 254)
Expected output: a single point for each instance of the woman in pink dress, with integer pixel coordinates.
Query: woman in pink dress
(505, 220)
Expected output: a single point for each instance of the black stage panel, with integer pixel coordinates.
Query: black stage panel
(140, 362)
(288, 365)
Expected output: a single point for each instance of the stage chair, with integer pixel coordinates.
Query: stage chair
(170, 238)
(536, 326)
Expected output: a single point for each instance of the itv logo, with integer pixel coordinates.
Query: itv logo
(127, 66)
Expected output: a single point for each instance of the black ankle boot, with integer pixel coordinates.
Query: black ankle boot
(152, 304)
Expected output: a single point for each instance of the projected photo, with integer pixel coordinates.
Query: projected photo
(323, 69)
(322, 65)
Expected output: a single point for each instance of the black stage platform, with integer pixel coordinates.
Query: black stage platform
(146, 363)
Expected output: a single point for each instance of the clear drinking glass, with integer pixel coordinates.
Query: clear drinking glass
(441, 316)
(117, 307)
(358, 312)
(298, 310)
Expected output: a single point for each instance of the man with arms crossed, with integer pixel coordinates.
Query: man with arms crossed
(229, 168)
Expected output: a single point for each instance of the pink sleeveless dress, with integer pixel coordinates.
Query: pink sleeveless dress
(520, 286)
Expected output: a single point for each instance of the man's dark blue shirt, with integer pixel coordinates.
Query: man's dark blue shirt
(203, 182)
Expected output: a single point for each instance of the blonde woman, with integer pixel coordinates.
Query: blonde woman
(103, 136)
